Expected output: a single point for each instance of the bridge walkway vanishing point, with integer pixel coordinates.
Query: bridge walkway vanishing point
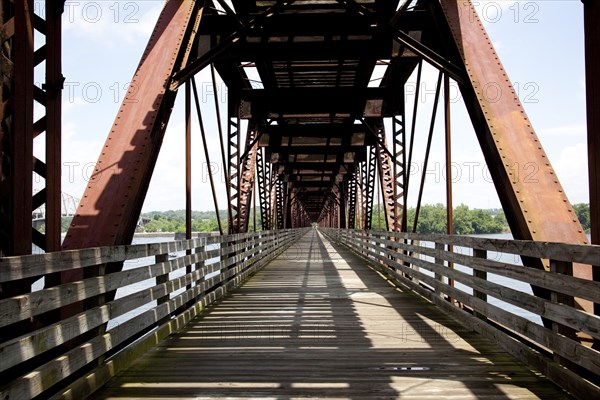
(318, 322)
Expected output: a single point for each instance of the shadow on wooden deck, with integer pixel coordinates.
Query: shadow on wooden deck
(318, 323)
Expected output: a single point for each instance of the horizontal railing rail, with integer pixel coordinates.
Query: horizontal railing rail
(72, 357)
(493, 296)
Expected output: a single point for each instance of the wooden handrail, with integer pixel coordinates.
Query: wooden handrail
(217, 265)
(560, 347)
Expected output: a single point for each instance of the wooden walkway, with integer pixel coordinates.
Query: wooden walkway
(318, 323)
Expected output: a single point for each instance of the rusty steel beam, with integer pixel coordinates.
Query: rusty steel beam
(400, 171)
(352, 187)
(233, 170)
(204, 60)
(279, 202)
(53, 88)
(115, 193)
(412, 131)
(342, 206)
(427, 151)
(16, 141)
(206, 154)
(525, 180)
(529, 190)
(369, 187)
(263, 174)
(386, 176)
(243, 196)
(592, 66)
(188, 160)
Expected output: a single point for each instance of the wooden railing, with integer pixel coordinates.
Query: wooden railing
(475, 281)
(74, 356)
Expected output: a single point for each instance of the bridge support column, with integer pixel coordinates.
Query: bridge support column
(592, 60)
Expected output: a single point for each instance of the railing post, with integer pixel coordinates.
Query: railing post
(482, 254)
(160, 279)
(439, 247)
(565, 268)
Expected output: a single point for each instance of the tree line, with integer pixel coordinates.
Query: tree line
(432, 219)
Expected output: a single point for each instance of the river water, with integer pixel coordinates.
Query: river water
(502, 257)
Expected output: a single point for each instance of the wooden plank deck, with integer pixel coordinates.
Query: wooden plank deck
(318, 323)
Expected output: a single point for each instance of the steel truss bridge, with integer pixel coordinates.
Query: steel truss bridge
(320, 140)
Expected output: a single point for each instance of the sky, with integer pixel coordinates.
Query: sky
(540, 44)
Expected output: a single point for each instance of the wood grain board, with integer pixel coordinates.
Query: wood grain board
(317, 322)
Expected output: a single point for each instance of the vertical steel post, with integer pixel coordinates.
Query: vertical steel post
(427, 151)
(449, 205)
(188, 160)
(21, 170)
(211, 176)
(53, 87)
(592, 65)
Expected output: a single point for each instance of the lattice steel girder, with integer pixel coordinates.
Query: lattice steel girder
(357, 102)
(537, 207)
(352, 201)
(233, 170)
(386, 176)
(115, 194)
(16, 141)
(263, 174)
(279, 202)
(243, 197)
(368, 187)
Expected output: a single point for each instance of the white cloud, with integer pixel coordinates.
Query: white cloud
(111, 24)
(563, 131)
(572, 170)
(70, 105)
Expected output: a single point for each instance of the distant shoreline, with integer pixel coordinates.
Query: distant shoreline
(174, 234)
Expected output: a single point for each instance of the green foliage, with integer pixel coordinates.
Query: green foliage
(202, 221)
(432, 219)
(583, 214)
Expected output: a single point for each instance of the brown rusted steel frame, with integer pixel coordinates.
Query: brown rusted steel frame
(342, 206)
(16, 142)
(263, 174)
(386, 175)
(279, 202)
(352, 187)
(17, 131)
(188, 160)
(412, 134)
(427, 54)
(206, 154)
(221, 142)
(592, 61)
(294, 210)
(272, 195)
(399, 172)
(53, 88)
(539, 208)
(188, 173)
(427, 151)
(287, 216)
(233, 169)
(114, 196)
(254, 205)
(448, 136)
(360, 191)
(204, 60)
(246, 180)
(528, 188)
(369, 187)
